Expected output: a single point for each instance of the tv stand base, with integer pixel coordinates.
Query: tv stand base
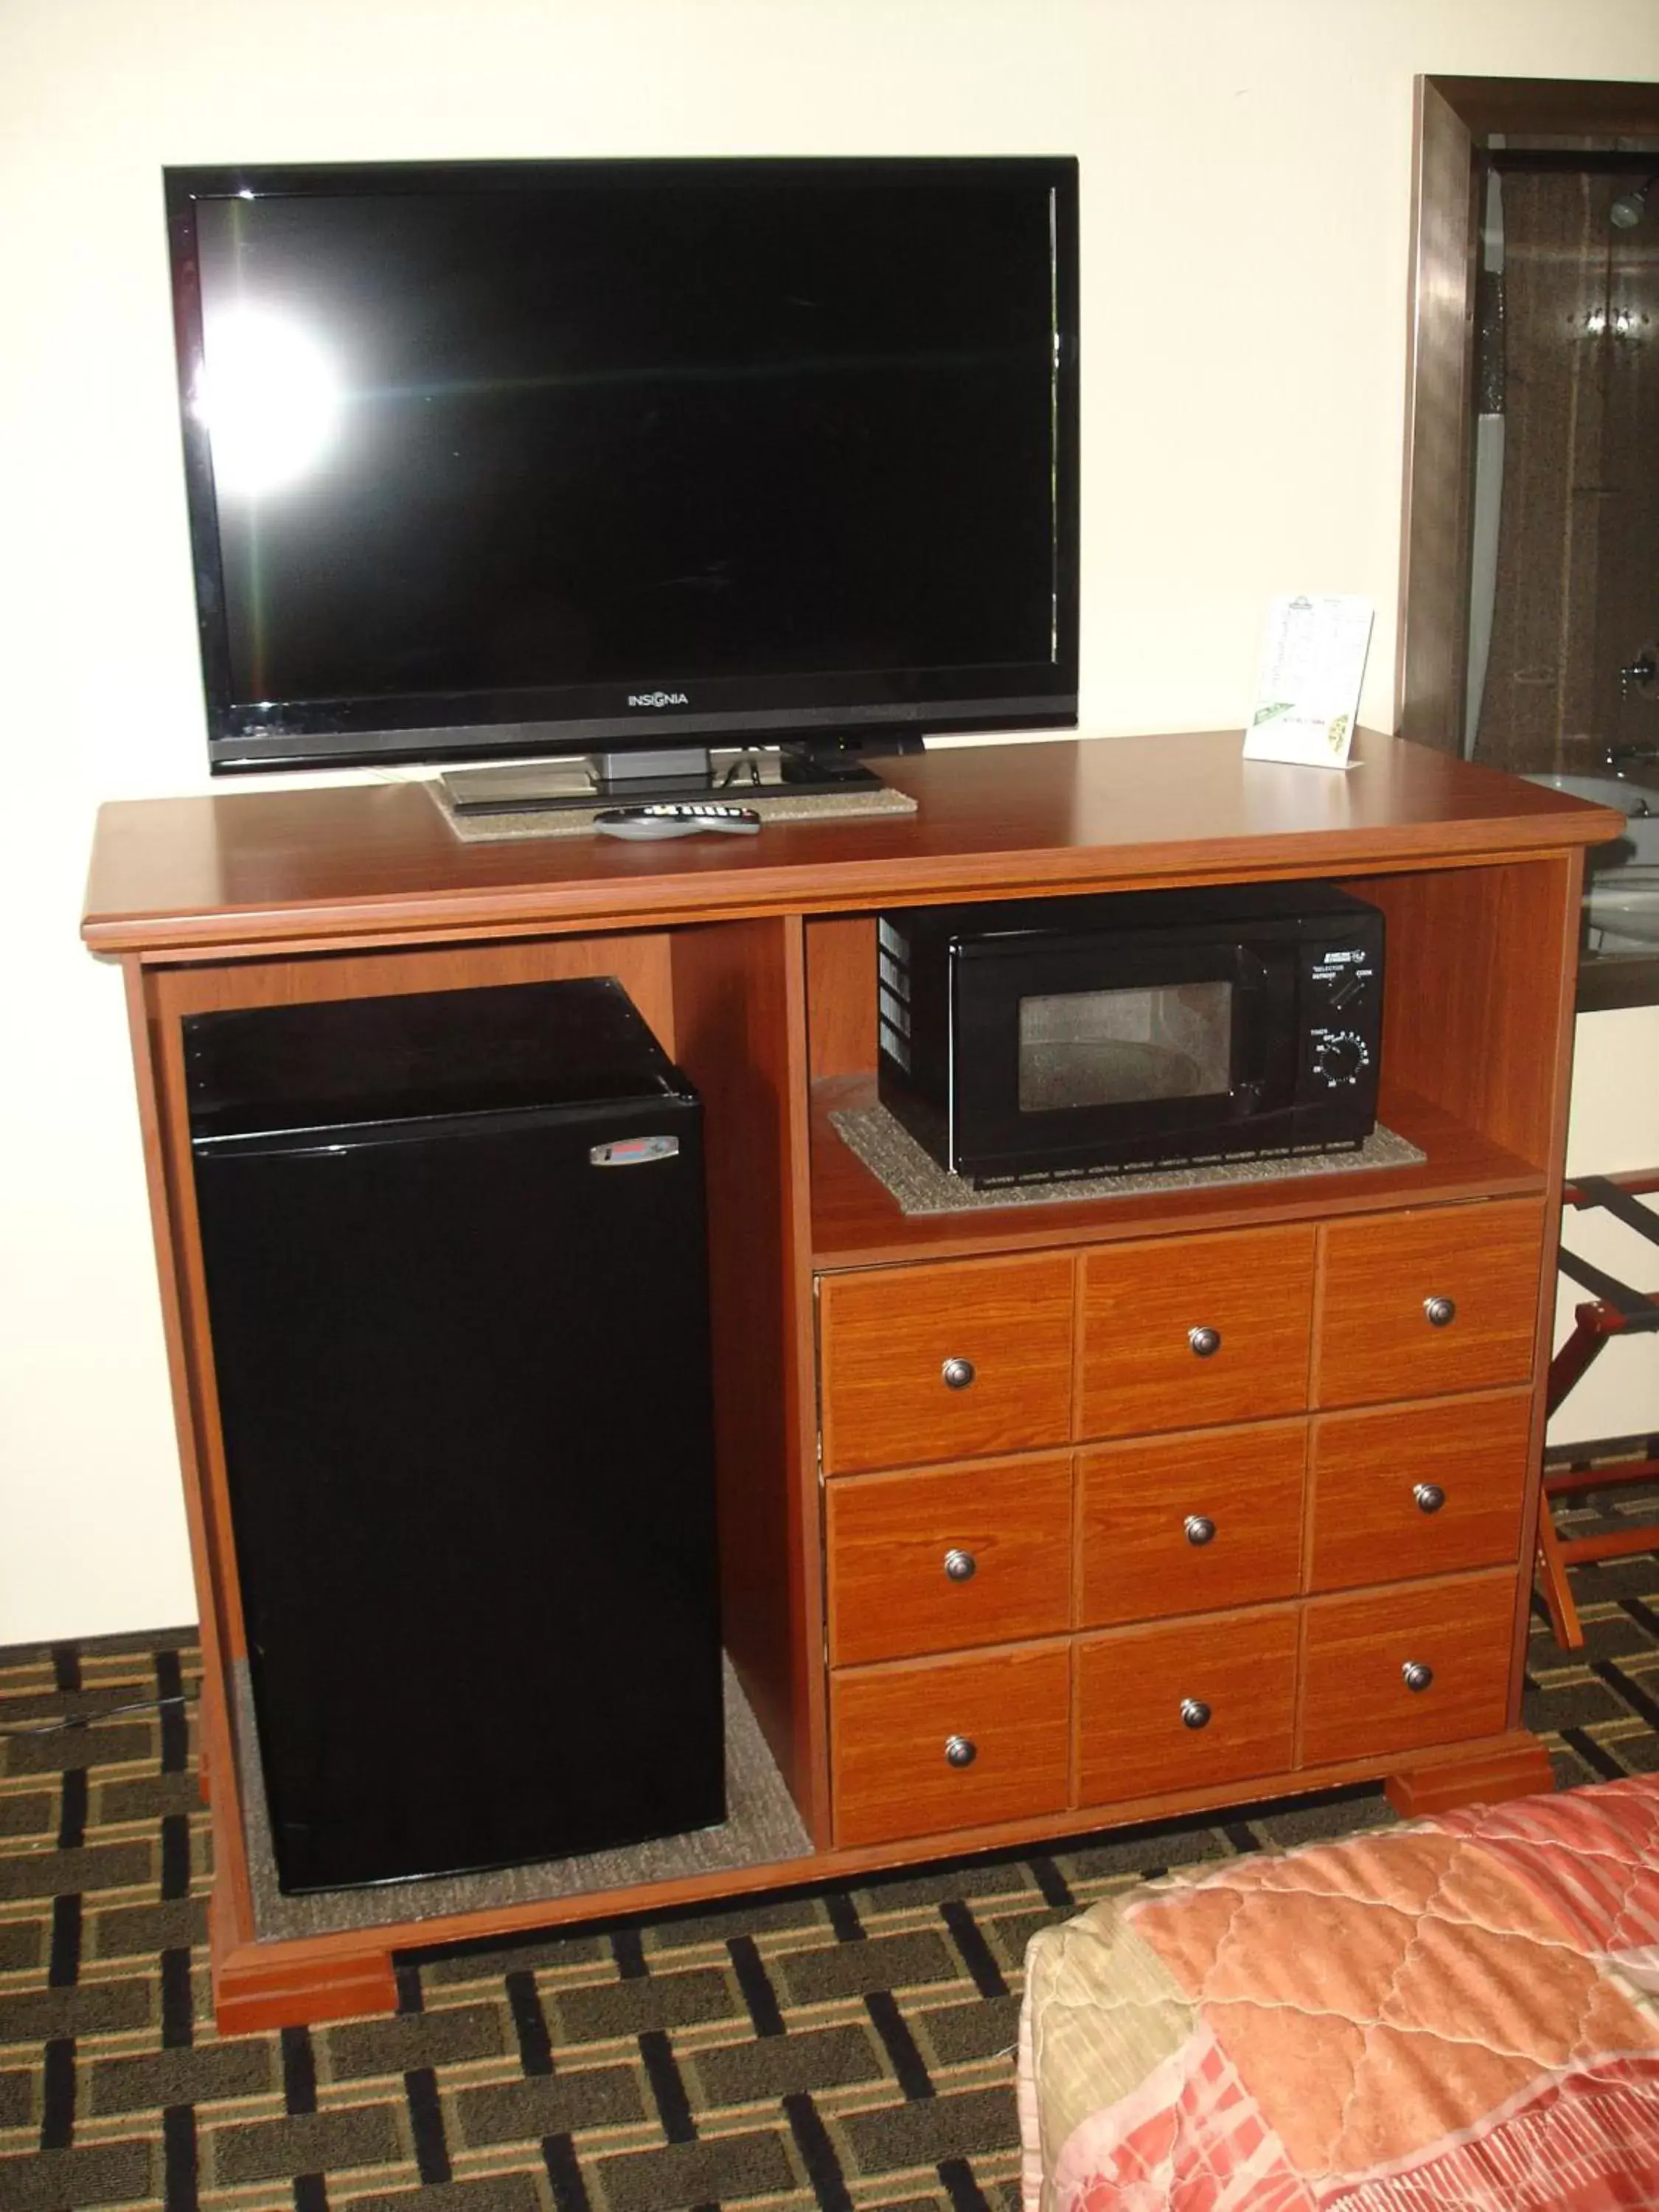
(683, 773)
(260, 1984)
(1515, 1766)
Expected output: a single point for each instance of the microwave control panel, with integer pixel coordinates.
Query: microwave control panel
(1342, 1025)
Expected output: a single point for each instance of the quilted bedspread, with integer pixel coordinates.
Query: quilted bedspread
(1461, 2013)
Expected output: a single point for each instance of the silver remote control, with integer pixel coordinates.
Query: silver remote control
(684, 820)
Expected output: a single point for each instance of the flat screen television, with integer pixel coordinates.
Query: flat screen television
(611, 457)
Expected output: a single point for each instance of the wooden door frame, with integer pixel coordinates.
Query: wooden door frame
(1456, 118)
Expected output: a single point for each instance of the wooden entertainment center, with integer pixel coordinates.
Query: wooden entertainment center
(1104, 1579)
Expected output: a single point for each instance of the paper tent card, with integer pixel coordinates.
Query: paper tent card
(1307, 696)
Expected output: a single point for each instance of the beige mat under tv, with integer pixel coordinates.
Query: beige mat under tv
(773, 802)
(915, 1179)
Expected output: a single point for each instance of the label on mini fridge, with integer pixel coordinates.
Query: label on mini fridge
(633, 1151)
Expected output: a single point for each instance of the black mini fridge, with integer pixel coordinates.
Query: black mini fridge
(454, 1246)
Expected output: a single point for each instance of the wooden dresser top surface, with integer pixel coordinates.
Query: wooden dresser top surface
(262, 869)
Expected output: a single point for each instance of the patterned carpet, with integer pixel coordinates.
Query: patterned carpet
(848, 2049)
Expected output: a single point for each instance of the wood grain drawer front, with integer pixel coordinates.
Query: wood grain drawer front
(939, 1561)
(1418, 1490)
(1186, 1331)
(949, 1744)
(945, 1362)
(1400, 1669)
(1190, 1523)
(1414, 1304)
(1181, 1706)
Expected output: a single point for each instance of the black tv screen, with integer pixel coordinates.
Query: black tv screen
(488, 460)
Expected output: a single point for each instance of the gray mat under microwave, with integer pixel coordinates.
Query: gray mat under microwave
(921, 1186)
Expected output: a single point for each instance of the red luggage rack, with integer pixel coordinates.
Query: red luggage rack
(1613, 1309)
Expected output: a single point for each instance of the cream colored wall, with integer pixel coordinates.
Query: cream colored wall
(1245, 202)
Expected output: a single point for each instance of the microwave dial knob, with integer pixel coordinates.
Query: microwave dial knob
(1340, 1058)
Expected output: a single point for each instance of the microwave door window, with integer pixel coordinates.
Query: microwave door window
(1087, 1049)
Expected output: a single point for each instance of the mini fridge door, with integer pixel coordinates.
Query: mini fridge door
(463, 1372)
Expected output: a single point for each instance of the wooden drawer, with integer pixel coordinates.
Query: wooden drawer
(893, 1730)
(1192, 1523)
(938, 1561)
(1356, 1699)
(1140, 1691)
(1145, 1312)
(1417, 1489)
(896, 1340)
(1380, 1277)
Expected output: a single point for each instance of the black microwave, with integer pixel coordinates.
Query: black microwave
(1079, 1036)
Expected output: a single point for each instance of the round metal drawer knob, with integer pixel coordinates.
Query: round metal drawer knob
(958, 1373)
(1415, 1676)
(960, 1566)
(1442, 1312)
(1194, 1713)
(1430, 1496)
(960, 1750)
(1206, 1342)
(1200, 1529)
